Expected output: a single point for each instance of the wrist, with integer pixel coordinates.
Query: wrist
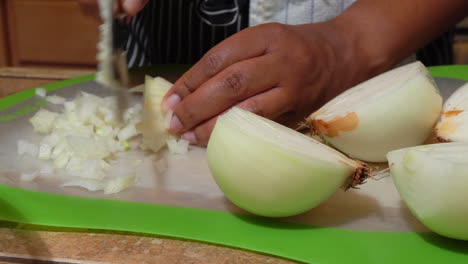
(358, 55)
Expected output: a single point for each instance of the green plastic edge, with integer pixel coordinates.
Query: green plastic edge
(293, 241)
(26, 94)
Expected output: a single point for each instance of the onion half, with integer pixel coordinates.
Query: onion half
(453, 124)
(394, 110)
(271, 170)
(433, 182)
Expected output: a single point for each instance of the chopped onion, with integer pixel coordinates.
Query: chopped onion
(118, 184)
(55, 99)
(432, 180)
(45, 151)
(88, 184)
(152, 127)
(453, 125)
(41, 92)
(394, 110)
(271, 170)
(127, 132)
(137, 89)
(85, 139)
(43, 121)
(176, 147)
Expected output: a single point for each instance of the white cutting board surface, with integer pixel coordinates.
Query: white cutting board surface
(376, 206)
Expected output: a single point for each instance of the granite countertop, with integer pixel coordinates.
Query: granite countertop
(20, 244)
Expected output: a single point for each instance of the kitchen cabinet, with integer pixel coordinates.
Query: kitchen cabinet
(49, 33)
(3, 39)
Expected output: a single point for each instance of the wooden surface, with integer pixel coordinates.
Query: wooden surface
(3, 35)
(112, 248)
(51, 32)
(13, 80)
(48, 247)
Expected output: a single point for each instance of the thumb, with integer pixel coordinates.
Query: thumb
(132, 7)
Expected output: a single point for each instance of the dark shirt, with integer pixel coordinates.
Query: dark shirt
(181, 31)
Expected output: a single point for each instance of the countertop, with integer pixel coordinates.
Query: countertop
(26, 244)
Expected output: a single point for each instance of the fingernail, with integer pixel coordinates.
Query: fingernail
(190, 137)
(170, 102)
(176, 125)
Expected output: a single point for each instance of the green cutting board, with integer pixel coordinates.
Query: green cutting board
(311, 244)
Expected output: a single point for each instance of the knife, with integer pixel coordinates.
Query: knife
(112, 57)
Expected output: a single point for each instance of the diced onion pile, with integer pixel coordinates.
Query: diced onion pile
(85, 140)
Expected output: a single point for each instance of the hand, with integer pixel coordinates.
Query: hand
(129, 7)
(269, 70)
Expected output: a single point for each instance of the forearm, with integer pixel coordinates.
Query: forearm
(377, 34)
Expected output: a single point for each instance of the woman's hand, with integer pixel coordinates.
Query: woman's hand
(274, 69)
(269, 70)
(129, 7)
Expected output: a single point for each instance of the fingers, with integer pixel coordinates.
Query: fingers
(132, 7)
(231, 86)
(270, 104)
(228, 52)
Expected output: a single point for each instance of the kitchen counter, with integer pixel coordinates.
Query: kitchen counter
(32, 244)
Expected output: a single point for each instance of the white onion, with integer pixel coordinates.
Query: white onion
(105, 73)
(118, 184)
(85, 139)
(45, 151)
(43, 121)
(394, 110)
(271, 170)
(433, 182)
(453, 125)
(41, 92)
(88, 184)
(152, 127)
(55, 99)
(177, 146)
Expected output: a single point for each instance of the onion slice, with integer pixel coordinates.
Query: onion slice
(271, 170)
(153, 127)
(453, 124)
(432, 180)
(394, 110)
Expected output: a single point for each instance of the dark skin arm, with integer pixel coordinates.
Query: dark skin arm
(275, 69)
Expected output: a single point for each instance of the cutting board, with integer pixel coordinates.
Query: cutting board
(367, 225)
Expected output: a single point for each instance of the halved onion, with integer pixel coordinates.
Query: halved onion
(394, 110)
(433, 182)
(271, 170)
(453, 124)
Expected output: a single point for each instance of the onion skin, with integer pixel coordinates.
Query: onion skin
(367, 131)
(434, 187)
(453, 124)
(266, 179)
(333, 128)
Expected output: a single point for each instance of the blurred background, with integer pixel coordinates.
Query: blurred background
(42, 41)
